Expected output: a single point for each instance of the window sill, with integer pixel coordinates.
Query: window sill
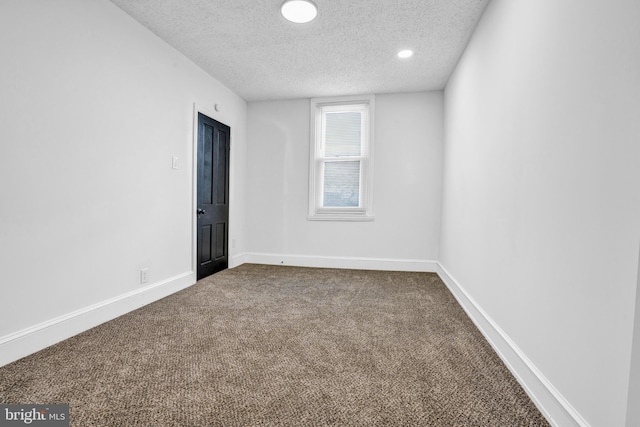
(340, 217)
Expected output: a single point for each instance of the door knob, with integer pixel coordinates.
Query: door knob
(200, 211)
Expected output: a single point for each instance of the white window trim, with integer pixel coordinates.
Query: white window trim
(365, 211)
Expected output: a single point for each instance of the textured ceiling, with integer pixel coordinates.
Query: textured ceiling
(350, 48)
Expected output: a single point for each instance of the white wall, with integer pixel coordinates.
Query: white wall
(407, 187)
(93, 108)
(540, 198)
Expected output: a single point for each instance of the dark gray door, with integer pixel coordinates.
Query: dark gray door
(213, 196)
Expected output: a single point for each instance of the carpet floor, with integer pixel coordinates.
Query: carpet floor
(282, 346)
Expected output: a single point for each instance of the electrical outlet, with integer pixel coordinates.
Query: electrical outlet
(174, 162)
(144, 275)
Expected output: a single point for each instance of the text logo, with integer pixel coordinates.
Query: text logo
(34, 415)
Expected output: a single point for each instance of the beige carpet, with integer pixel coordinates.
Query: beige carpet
(282, 346)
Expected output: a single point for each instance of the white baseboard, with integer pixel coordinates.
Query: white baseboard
(546, 397)
(30, 340)
(340, 262)
(237, 260)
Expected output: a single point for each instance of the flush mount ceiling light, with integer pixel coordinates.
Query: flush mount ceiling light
(405, 54)
(299, 11)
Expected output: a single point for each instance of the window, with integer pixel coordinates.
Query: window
(341, 167)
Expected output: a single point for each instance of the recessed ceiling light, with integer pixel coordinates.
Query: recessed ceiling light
(299, 11)
(405, 53)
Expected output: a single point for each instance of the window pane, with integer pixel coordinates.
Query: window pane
(341, 184)
(342, 133)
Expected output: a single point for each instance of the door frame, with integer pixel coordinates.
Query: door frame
(212, 113)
